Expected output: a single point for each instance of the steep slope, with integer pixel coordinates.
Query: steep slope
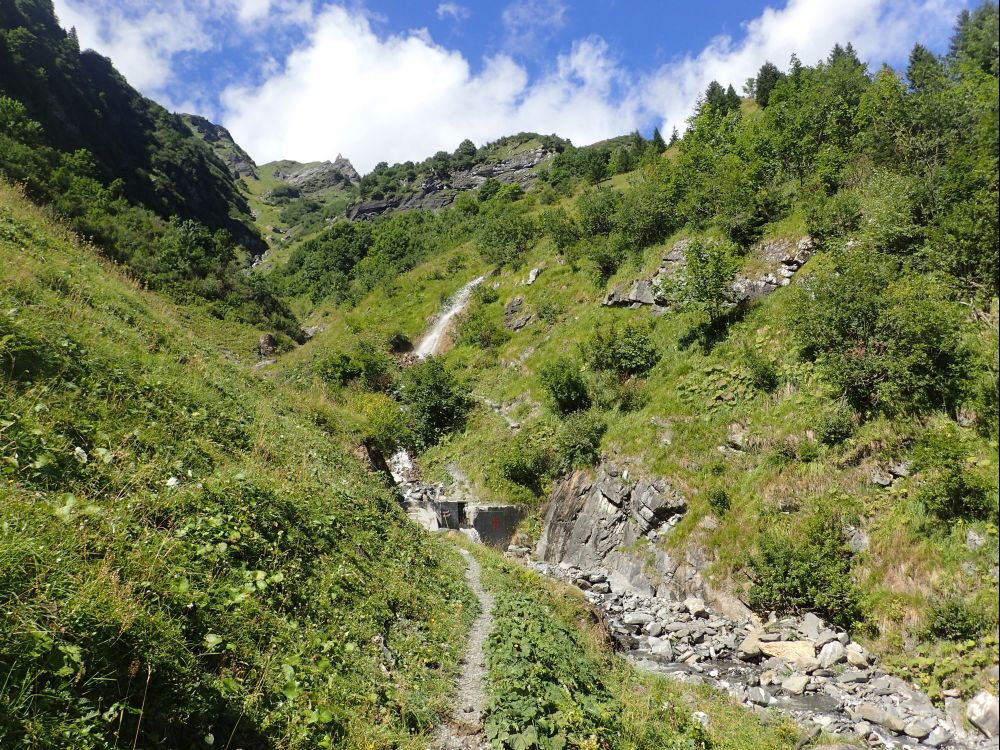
(82, 102)
(189, 556)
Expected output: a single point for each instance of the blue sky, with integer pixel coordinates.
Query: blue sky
(393, 80)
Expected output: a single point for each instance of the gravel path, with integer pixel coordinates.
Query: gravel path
(464, 731)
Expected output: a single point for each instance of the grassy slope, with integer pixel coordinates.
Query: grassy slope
(185, 555)
(692, 396)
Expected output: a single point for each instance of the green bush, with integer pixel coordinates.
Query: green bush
(579, 440)
(436, 403)
(626, 350)
(608, 391)
(366, 366)
(954, 618)
(527, 460)
(835, 425)
(890, 340)
(565, 385)
(806, 571)
(764, 374)
(479, 326)
(954, 487)
(718, 500)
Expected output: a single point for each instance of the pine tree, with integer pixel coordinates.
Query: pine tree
(767, 78)
(674, 136)
(658, 142)
(732, 100)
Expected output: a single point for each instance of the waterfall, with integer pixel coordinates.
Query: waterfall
(430, 343)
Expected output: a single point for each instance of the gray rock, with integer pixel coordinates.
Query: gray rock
(266, 345)
(853, 675)
(938, 737)
(696, 607)
(856, 656)
(974, 540)
(919, 728)
(832, 653)
(811, 626)
(637, 618)
(759, 696)
(795, 685)
(533, 276)
(857, 540)
(983, 712)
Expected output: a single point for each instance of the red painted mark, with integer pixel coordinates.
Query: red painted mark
(496, 522)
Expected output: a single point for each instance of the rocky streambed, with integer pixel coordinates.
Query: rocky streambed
(600, 534)
(801, 666)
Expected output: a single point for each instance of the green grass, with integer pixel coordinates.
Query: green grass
(187, 557)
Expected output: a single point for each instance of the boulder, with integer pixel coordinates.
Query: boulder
(983, 712)
(696, 607)
(832, 653)
(800, 653)
(749, 647)
(795, 685)
(856, 656)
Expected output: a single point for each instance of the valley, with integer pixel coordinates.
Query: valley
(619, 446)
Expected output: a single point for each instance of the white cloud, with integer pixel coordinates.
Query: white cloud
(348, 88)
(403, 97)
(142, 43)
(454, 11)
(878, 29)
(528, 23)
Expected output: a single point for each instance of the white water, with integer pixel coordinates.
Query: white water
(430, 343)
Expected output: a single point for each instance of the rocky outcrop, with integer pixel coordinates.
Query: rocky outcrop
(608, 519)
(775, 261)
(316, 177)
(235, 158)
(514, 316)
(434, 194)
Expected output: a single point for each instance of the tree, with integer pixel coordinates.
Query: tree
(435, 401)
(657, 141)
(504, 235)
(767, 78)
(715, 98)
(706, 281)
(732, 100)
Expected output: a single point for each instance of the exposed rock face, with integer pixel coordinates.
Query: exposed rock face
(984, 713)
(590, 519)
(434, 194)
(312, 179)
(781, 259)
(513, 317)
(234, 157)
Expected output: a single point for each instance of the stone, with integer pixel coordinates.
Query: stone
(795, 685)
(811, 626)
(832, 653)
(856, 656)
(857, 539)
(974, 540)
(663, 649)
(696, 607)
(749, 647)
(919, 728)
(881, 477)
(768, 677)
(533, 276)
(637, 618)
(801, 653)
(266, 345)
(983, 712)
(853, 675)
(871, 713)
(654, 629)
(938, 737)
(759, 696)
(736, 435)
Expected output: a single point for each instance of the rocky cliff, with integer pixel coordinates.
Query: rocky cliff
(221, 141)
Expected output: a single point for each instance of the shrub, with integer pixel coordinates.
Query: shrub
(366, 366)
(706, 282)
(806, 572)
(435, 402)
(381, 424)
(954, 488)
(628, 350)
(565, 385)
(956, 619)
(596, 208)
(579, 440)
(527, 460)
(610, 391)
(835, 425)
(478, 327)
(504, 236)
(718, 500)
(764, 375)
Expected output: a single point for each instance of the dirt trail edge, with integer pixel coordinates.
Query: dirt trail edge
(464, 731)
